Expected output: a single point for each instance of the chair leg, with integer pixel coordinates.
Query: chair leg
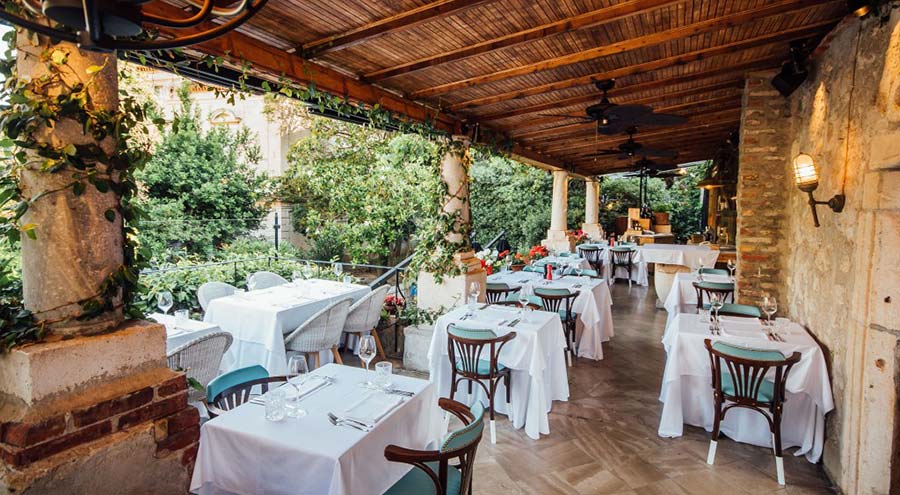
(337, 355)
(717, 422)
(493, 389)
(776, 443)
(711, 455)
(508, 381)
(317, 359)
(378, 344)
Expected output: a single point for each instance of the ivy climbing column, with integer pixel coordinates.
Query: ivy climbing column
(591, 226)
(446, 281)
(558, 237)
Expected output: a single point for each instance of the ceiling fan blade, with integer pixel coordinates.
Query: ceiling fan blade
(663, 119)
(566, 115)
(626, 112)
(613, 128)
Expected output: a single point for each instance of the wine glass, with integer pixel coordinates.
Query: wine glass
(474, 292)
(307, 270)
(731, 267)
(367, 352)
(523, 299)
(338, 269)
(296, 276)
(164, 301)
(715, 302)
(297, 372)
(251, 282)
(770, 307)
(579, 270)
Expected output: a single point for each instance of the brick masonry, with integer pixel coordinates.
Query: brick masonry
(762, 190)
(176, 425)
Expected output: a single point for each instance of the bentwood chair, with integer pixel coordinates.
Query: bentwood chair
(229, 379)
(593, 255)
(200, 359)
(713, 271)
(739, 380)
(240, 393)
(742, 310)
(322, 332)
(363, 315)
(465, 346)
(707, 289)
(433, 471)
(213, 290)
(622, 257)
(497, 292)
(264, 280)
(561, 301)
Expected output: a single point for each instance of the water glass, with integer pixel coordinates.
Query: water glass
(338, 268)
(164, 301)
(296, 276)
(383, 372)
(275, 405)
(182, 316)
(348, 280)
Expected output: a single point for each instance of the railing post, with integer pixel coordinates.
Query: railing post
(235, 272)
(277, 229)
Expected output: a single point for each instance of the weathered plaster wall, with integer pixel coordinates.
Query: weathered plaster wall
(842, 280)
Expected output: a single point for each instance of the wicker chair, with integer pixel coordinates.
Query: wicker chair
(264, 280)
(322, 332)
(363, 316)
(213, 290)
(497, 292)
(432, 471)
(200, 359)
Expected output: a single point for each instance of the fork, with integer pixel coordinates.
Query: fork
(338, 421)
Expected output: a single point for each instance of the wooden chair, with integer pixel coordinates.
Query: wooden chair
(514, 302)
(713, 271)
(465, 346)
(593, 255)
(561, 301)
(742, 382)
(724, 290)
(497, 292)
(432, 471)
(236, 395)
(622, 257)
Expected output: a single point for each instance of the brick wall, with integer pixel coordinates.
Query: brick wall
(762, 189)
(176, 425)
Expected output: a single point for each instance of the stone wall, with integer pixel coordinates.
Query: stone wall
(841, 280)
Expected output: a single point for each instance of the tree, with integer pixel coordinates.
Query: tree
(198, 190)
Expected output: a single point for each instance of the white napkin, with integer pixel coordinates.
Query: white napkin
(742, 327)
(372, 407)
(310, 385)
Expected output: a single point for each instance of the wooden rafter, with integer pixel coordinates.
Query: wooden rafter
(591, 19)
(778, 8)
(781, 37)
(381, 27)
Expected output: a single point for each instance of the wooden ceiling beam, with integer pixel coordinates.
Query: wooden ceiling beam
(781, 37)
(778, 8)
(588, 145)
(683, 146)
(381, 27)
(591, 19)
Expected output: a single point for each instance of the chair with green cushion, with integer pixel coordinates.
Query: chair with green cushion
(622, 256)
(496, 292)
(232, 378)
(533, 268)
(465, 347)
(587, 272)
(744, 310)
(593, 255)
(713, 271)
(723, 290)
(561, 301)
(240, 392)
(432, 471)
(739, 379)
(564, 254)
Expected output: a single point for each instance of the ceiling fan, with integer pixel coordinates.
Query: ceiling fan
(631, 149)
(652, 169)
(613, 119)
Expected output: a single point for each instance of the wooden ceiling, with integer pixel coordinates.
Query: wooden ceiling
(503, 65)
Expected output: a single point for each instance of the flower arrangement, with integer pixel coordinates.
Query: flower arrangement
(538, 252)
(392, 303)
(579, 235)
(491, 260)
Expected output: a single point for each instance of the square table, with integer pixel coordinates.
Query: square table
(243, 453)
(594, 306)
(683, 296)
(259, 319)
(687, 394)
(536, 357)
(179, 333)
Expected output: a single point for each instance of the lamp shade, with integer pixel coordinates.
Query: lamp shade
(805, 173)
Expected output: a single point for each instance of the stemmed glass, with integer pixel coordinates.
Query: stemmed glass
(770, 307)
(367, 354)
(715, 302)
(579, 270)
(251, 282)
(296, 276)
(338, 269)
(307, 270)
(731, 267)
(298, 371)
(474, 292)
(164, 301)
(523, 299)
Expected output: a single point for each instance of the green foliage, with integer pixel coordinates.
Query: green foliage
(199, 190)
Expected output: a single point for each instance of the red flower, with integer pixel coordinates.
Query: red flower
(502, 254)
(490, 269)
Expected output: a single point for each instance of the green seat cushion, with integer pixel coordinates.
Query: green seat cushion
(531, 299)
(766, 390)
(532, 268)
(484, 366)
(464, 436)
(416, 482)
(471, 333)
(584, 271)
(740, 310)
(714, 271)
(565, 254)
(747, 352)
(715, 285)
(623, 249)
(497, 286)
(236, 377)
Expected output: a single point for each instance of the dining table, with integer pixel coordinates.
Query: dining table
(243, 453)
(687, 394)
(682, 297)
(594, 324)
(536, 357)
(259, 319)
(670, 259)
(182, 331)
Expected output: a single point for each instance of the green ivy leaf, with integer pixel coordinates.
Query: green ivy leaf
(93, 69)
(78, 188)
(110, 215)
(101, 185)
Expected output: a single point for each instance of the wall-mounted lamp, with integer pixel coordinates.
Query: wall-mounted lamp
(807, 179)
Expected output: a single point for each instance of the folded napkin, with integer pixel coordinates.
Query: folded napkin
(310, 385)
(372, 407)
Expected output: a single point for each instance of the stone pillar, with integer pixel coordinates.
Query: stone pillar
(762, 194)
(591, 226)
(447, 292)
(93, 408)
(558, 237)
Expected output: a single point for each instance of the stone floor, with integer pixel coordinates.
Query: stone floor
(604, 441)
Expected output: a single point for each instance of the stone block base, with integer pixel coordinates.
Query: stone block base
(559, 241)
(416, 342)
(593, 231)
(451, 291)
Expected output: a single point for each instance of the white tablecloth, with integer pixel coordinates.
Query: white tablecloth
(259, 319)
(242, 453)
(536, 357)
(683, 297)
(594, 307)
(678, 254)
(565, 262)
(180, 333)
(687, 395)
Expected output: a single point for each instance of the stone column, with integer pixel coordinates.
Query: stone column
(97, 411)
(449, 292)
(558, 237)
(591, 226)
